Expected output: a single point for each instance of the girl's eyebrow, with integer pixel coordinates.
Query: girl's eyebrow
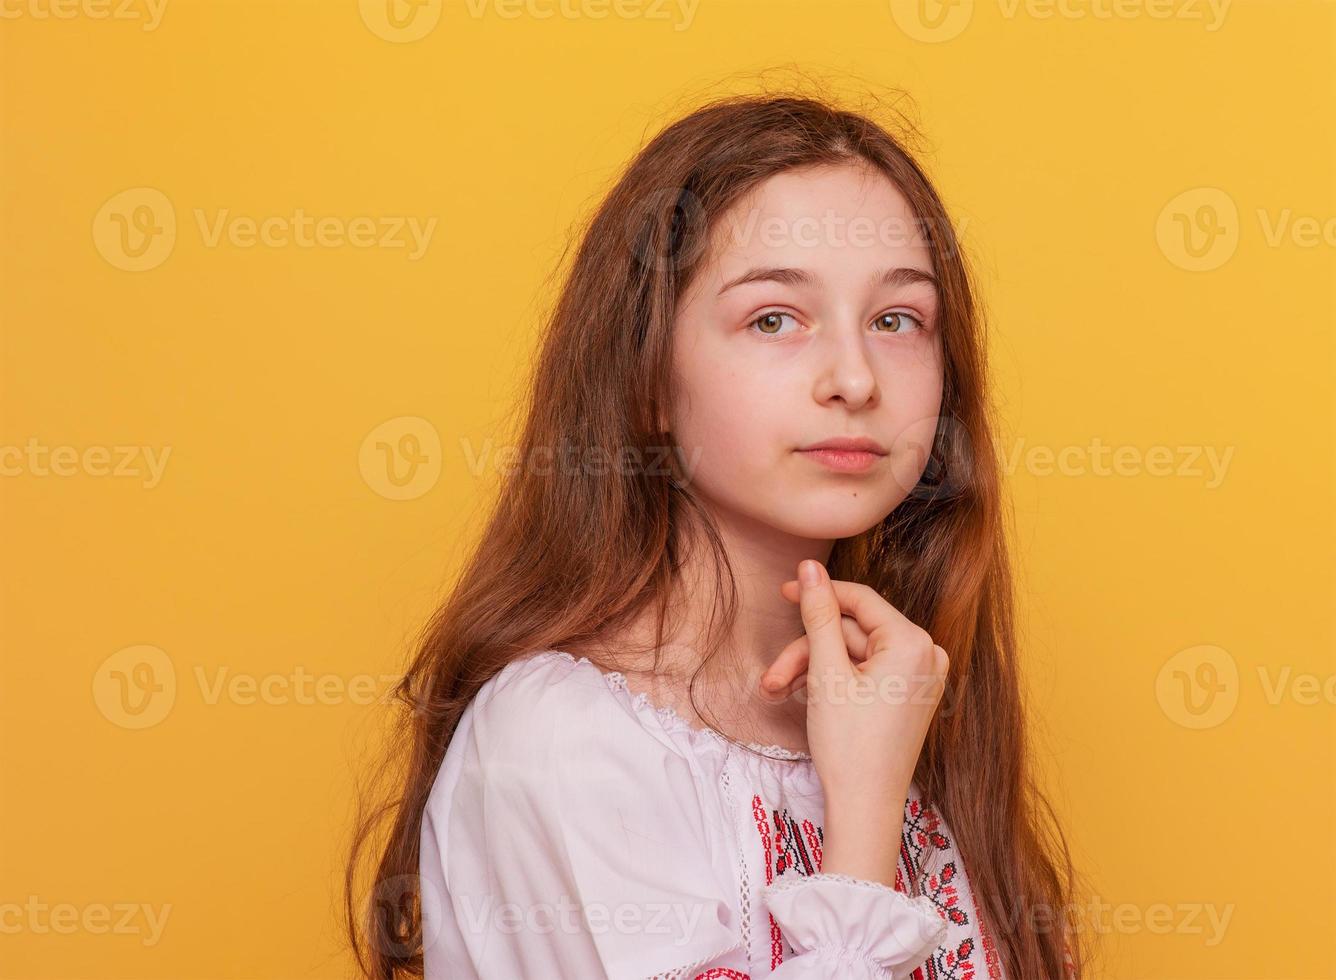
(899, 276)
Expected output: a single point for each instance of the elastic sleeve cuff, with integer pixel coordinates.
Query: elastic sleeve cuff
(835, 911)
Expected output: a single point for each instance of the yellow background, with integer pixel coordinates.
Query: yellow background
(273, 544)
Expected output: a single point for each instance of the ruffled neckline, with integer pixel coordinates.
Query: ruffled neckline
(674, 722)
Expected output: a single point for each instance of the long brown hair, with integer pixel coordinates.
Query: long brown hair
(574, 553)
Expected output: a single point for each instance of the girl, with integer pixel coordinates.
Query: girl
(729, 688)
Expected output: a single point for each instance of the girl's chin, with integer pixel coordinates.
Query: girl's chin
(840, 516)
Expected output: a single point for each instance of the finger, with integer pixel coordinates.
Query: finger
(793, 659)
(827, 654)
(790, 689)
(855, 640)
(870, 609)
(777, 679)
(855, 637)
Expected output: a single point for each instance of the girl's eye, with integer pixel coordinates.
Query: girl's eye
(896, 322)
(770, 323)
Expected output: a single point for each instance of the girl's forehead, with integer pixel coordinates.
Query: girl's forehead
(853, 210)
(843, 190)
(839, 225)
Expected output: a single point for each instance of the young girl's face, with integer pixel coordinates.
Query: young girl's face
(814, 317)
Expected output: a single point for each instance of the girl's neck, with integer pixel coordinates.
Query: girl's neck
(725, 690)
(727, 686)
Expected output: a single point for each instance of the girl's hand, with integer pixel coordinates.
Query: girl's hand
(873, 683)
(788, 674)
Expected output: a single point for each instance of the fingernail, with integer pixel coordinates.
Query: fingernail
(771, 683)
(809, 573)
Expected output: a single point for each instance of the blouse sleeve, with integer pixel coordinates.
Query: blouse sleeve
(847, 927)
(564, 838)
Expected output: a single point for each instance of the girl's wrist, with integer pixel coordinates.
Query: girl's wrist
(866, 797)
(863, 842)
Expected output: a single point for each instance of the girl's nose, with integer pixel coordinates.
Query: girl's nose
(844, 369)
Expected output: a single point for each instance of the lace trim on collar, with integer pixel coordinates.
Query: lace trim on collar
(672, 721)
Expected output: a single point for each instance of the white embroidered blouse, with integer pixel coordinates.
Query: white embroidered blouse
(577, 831)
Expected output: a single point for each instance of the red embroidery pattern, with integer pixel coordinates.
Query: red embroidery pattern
(922, 835)
(794, 848)
(814, 839)
(992, 959)
(722, 973)
(763, 828)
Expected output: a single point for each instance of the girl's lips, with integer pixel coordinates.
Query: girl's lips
(842, 460)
